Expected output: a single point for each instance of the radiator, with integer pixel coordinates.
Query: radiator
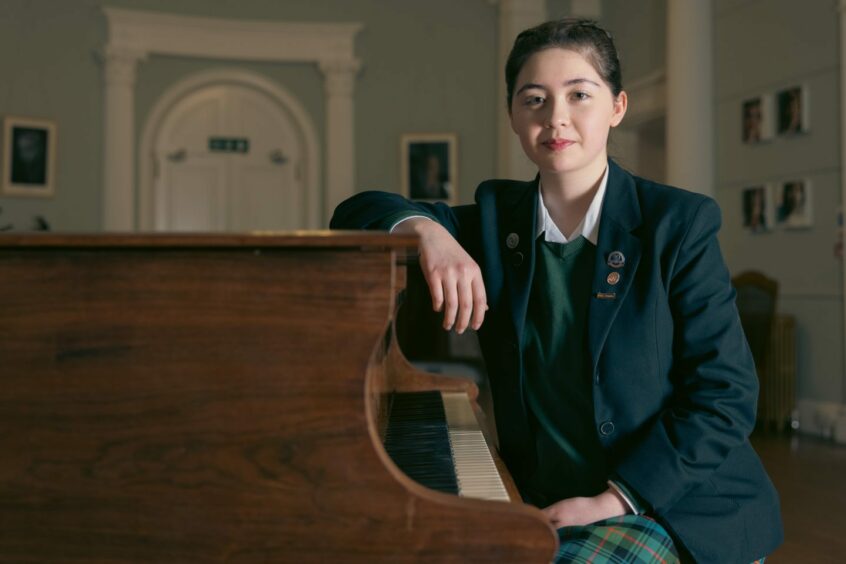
(777, 376)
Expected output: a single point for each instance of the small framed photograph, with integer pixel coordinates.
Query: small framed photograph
(757, 208)
(794, 204)
(793, 110)
(429, 166)
(29, 154)
(757, 119)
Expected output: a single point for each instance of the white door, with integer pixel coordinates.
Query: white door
(199, 187)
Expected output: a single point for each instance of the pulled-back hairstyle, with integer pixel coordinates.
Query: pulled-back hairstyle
(582, 36)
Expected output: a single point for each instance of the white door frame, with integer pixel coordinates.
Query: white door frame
(134, 35)
(305, 126)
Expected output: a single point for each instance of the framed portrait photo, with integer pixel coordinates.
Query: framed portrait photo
(429, 166)
(757, 119)
(794, 204)
(29, 154)
(793, 110)
(757, 208)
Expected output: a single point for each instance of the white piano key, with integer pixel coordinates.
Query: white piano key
(474, 466)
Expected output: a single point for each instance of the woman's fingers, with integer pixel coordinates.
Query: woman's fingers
(436, 290)
(450, 301)
(454, 279)
(465, 304)
(480, 302)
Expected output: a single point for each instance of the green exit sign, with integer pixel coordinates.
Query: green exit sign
(229, 144)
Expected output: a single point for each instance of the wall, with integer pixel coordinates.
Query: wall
(427, 67)
(763, 46)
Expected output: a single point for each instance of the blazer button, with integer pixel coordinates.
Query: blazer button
(606, 428)
(516, 259)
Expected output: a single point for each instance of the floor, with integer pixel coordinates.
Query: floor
(810, 476)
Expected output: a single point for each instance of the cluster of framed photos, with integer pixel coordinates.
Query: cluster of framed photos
(28, 148)
(429, 167)
(783, 113)
(787, 204)
(784, 205)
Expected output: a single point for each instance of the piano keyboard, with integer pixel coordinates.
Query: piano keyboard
(435, 439)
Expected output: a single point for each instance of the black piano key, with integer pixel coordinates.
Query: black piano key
(417, 440)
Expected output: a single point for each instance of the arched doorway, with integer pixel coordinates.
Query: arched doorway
(229, 150)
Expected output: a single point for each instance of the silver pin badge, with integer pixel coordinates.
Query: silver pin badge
(512, 240)
(616, 259)
(613, 278)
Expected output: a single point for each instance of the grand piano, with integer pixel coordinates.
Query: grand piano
(179, 398)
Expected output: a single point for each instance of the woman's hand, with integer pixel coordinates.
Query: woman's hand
(454, 278)
(586, 510)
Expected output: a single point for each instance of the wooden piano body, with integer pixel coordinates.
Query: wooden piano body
(204, 398)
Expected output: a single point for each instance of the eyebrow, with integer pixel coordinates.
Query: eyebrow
(571, 82)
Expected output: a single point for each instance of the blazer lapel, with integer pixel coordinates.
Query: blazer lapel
(518, 211)
(616, 244)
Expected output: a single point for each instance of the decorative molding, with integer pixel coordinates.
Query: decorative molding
(650, 94)
(134, 35)
(157, 116)
(192, 36)
(339, 76)
(121, 64)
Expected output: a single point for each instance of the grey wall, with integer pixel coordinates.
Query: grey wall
(427, 67)
(763, 46)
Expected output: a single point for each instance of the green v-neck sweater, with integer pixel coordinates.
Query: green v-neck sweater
(556, 363)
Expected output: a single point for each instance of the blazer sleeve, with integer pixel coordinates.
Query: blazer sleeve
(715, 385)
(379, 210)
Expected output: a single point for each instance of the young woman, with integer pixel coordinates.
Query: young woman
(624, 391)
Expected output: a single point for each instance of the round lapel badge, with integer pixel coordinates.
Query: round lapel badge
(512, 240)
(616, 259)
(613, 278)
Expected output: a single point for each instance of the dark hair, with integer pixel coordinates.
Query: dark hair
(583, 36)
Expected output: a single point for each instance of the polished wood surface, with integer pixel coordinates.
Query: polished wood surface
(808, 473)
(203, 398)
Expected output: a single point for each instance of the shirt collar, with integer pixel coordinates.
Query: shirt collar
(587, 228)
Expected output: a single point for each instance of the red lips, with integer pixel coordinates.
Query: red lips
(558, 144)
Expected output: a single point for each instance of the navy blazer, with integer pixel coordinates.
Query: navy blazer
(674, 384)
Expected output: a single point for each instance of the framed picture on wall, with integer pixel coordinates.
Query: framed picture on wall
(793, 110)
(757, 119)
(794, 204)
(429, 166)
(29, 154)
(757, 208)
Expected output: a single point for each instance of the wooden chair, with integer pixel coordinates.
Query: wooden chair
(756, 302)
(772, 340)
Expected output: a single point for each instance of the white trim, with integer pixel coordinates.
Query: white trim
(192, 36)
(648, 95)
(146, 156)
(134, 35)
(825, 419)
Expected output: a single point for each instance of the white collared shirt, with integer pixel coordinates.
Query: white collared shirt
(587, 228)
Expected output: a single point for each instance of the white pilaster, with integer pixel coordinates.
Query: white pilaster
(339, 85)
(690, 95)
(514, 17)
(118, 213)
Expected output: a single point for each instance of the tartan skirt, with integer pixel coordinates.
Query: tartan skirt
(629, 539)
